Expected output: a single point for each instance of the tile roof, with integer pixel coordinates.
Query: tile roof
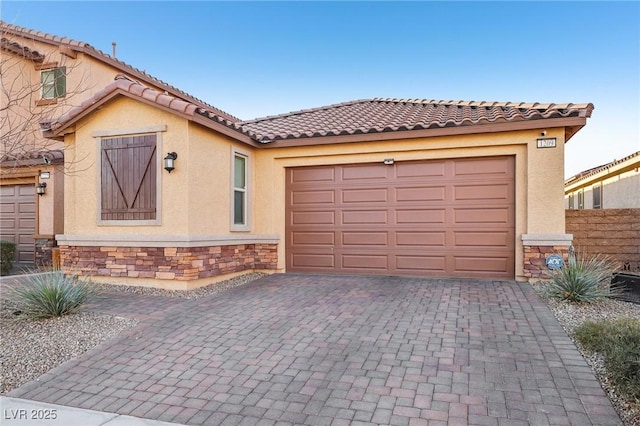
(38, 157)
(123, 84)
(18, 49)
(367, 116)
(388, 115)
(79, 46)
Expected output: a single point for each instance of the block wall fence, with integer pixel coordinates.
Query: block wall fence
(611, 232)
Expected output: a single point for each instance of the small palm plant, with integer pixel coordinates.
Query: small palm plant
(583, 279)
(52, 294)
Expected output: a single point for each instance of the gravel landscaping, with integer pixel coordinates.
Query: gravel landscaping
(30, 348)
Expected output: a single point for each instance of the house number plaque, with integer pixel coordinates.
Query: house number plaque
(547, 143)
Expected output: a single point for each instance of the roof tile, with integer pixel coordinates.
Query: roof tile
(388, 115)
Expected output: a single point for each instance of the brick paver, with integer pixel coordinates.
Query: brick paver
(310, 349)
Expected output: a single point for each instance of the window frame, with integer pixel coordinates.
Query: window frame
(597, 189)
(571, 202)
(581, 199)
(142, 131)
(246, 191)
(53, 85)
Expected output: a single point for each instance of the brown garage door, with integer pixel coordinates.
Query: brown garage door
(18, 219)
(430, 218)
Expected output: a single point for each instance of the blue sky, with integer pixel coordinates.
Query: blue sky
(254, 59)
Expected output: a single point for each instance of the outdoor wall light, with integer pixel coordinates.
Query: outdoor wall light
(40, 189)
(388, 161)
(169, 161)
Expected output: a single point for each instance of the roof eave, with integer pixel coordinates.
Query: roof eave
(495, 127)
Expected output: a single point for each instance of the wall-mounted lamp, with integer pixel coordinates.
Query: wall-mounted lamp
(388, 161)
(41, 188)
(169, 161)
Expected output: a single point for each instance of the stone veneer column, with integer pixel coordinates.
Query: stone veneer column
(536, 249)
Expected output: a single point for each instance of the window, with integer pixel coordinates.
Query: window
(597, 196)
(581, 199)
(128, 172)
(240, 176)
(571, 202)
(54, 82)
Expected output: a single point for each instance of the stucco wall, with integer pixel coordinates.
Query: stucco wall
(83, 157)
(621, 191)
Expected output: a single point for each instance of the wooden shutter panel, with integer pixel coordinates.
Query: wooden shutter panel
(128, 171)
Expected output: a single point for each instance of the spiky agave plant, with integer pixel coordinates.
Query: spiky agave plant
(51, 294)
(583, 279)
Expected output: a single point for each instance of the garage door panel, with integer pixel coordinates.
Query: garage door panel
(496, 238)
(499, 192)
(313, 218)
(315, 174)
(424, 239)
(369, 196)
(421, 216)
(313, 238)
(451, 217)
(8, 208)
(414, 263)
(8, 223)
(370, 239)
(482, 215)
(359, 217)
(412, 169)
(363, 172)
(481, 264)
(483, 168)
(365, 261)
(313, 197)
(421, 194)
(8, 190)
(313, 261)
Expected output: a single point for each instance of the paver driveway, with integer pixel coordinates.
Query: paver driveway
(310, 349)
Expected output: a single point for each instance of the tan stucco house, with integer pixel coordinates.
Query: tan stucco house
(376, 186)
(162, 189)
(44, 76)
(615, 185)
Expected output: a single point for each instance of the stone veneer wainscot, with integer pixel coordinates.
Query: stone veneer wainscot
(168, 263)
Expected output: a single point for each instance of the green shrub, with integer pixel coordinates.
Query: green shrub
(619, 343)
(584, 279)
(51, 294)
(7, 254)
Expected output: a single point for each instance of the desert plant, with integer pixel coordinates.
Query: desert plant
(51, 294)
(619, 343)
(7, 253)
(583, 279)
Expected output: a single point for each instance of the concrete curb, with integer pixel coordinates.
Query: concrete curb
(23, 412)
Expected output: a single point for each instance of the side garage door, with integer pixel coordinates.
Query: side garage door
(451, 218)
(18, 219)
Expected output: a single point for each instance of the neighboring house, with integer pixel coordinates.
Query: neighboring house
(615, 185)
(165, 192)
(43, 76)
